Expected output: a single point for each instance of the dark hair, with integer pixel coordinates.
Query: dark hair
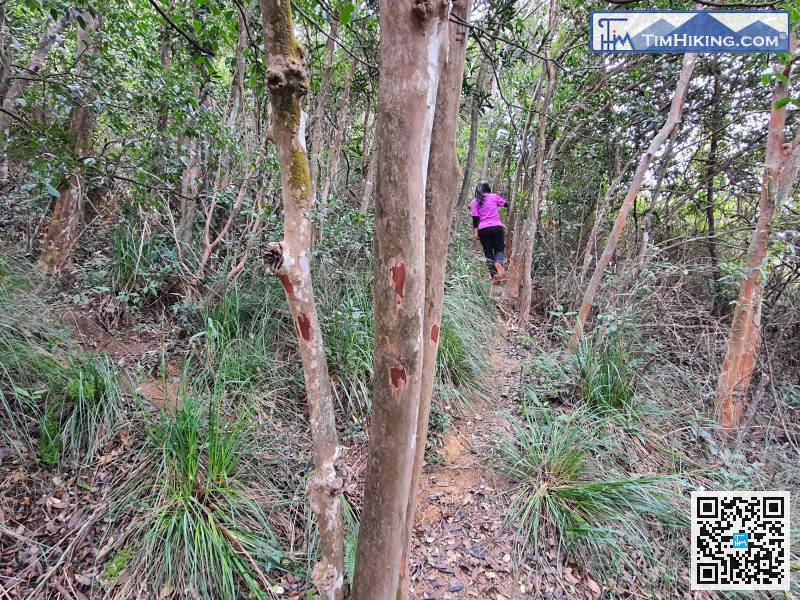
(480, 191)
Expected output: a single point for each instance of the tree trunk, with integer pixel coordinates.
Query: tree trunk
(518, 287)
(365, 197)
(190, 188)
(475, 113)
(777, 182)
(165, 62)
(715, 127)
(289, 260)
(5, 68)
(59, 240)
(35, 63)
(498, 176)
(522, 163)
(412, 35)
(341, 128)
(319, 110)
(673, 118)
(441, 191)
(649, 219)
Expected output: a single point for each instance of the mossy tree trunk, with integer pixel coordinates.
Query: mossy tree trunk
(290, 261)
(412, 35)
(441, 192)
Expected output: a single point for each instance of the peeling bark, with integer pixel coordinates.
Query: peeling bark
(673, 118)
(412, 36)
(780, 173)
(61, 236)
(441, 190)
(289, 260)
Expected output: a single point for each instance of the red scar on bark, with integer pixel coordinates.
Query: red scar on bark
(304, 327)
(398, 374)
(435, 333)
(287, 285)
(399, 279)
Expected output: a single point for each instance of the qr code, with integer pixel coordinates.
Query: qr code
(740, 540)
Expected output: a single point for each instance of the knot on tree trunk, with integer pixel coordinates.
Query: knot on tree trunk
(324, 484)
(273, 258)
(287, 75)
(424, 9)
(324, 488)
(327, 579)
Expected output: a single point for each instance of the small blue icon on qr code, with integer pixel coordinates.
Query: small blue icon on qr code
(740, 540)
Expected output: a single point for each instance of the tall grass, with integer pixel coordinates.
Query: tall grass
(565, 490)
(605, 371)
(468, 322)
(200, 511)
(53, 397)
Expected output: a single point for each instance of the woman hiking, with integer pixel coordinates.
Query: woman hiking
(489, 229)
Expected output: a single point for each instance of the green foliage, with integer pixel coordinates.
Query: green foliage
(116, 566)
(566, 491)
(605, 371)
(91, 409)
(50, 433)
(467, 325)
(202, 525)
(49, 389)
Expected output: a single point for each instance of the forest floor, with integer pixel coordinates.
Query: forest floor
(463, 546)
(58, 537)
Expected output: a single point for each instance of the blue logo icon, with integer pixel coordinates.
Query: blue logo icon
(610, 40)
(740, 540)
(677, 31)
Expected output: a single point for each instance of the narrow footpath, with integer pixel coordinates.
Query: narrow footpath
(462, 546)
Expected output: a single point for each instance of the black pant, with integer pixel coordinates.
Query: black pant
(494, 246)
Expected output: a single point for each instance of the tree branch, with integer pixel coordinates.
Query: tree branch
(195, 44)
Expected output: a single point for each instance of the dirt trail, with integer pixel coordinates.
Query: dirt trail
(461, 548)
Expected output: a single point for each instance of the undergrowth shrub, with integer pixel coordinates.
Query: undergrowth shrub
(53, 397)
(566, 489)
(600, 373)
(200, 508)
(606, 370)
(246, 340)
(247, 347)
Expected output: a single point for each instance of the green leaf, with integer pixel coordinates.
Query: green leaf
(51, 190)
(346, 12)
(782, 102)
(781, 77)
(766, 79)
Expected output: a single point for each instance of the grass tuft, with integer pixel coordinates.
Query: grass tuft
(201, 525)
(565, 495)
